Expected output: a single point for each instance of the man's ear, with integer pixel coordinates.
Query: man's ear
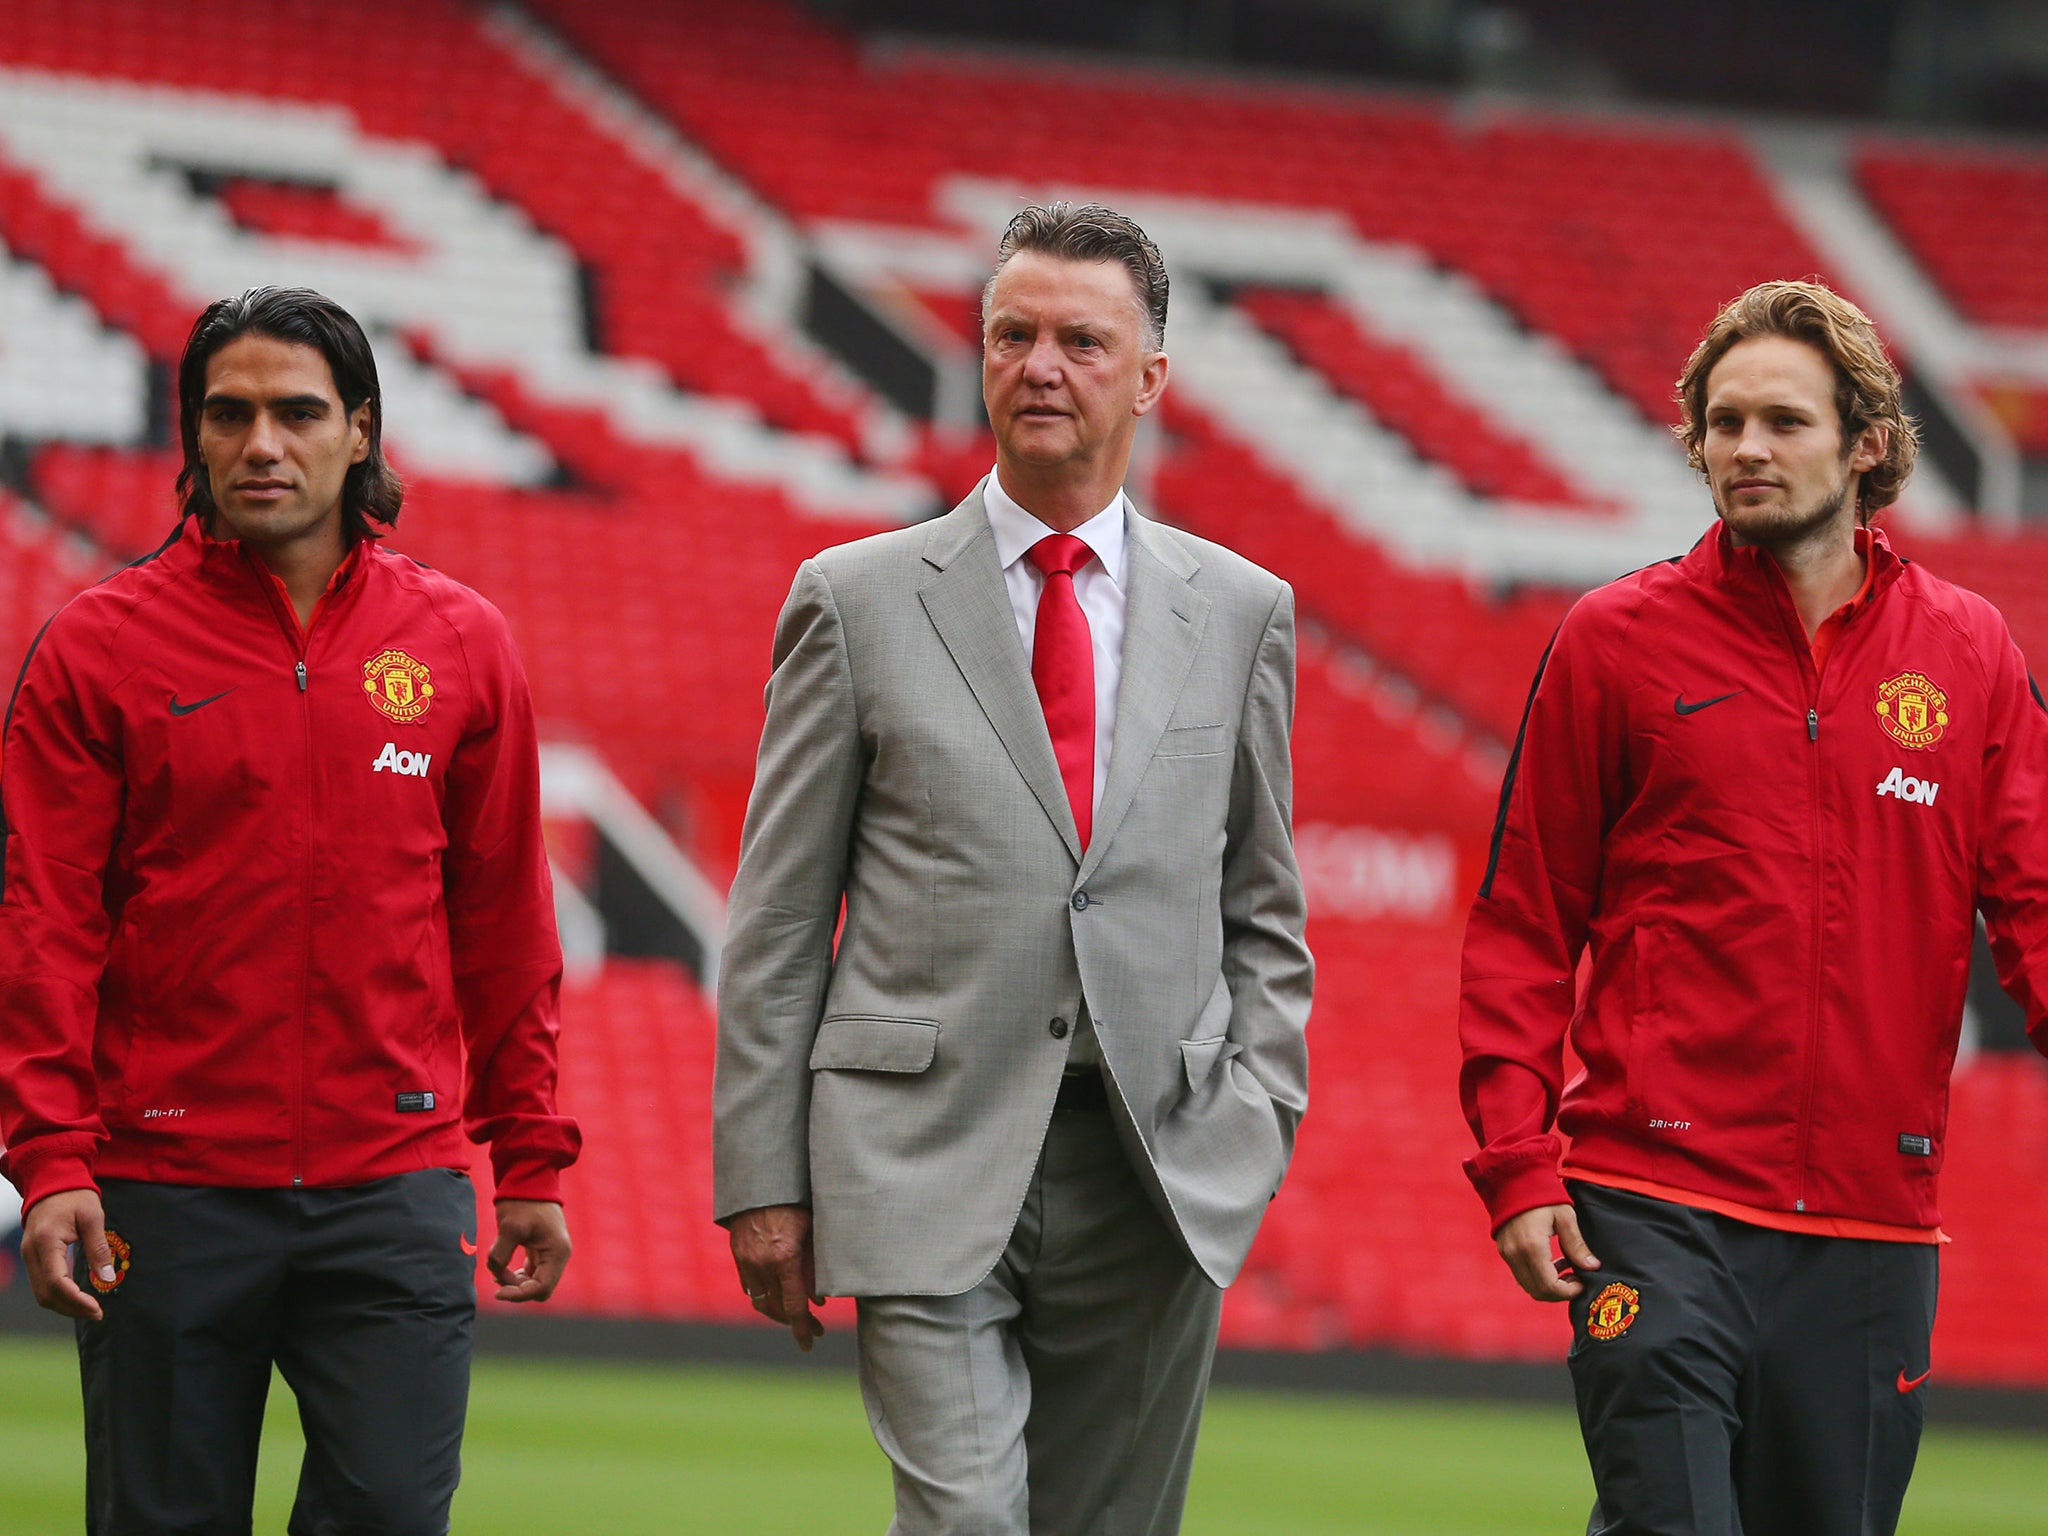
(359, 433)
(1870, 447)
(1151, 384)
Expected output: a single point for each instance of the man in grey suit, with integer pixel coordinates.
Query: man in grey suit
(1030, 1108)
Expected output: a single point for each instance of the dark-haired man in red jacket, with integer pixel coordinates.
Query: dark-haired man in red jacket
(276, 929)
(1766, 786)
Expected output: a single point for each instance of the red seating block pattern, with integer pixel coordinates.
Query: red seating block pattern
(433, 72)
(1475, 654)
(2010, 569)
(1620, 242)
(38, 575)
(305, 213)
(1405, 393)
(637, 1045)
(1977, 221)
(47, 231)
(1376, 1239)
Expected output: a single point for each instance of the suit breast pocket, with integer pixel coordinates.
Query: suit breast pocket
(866, 1043)
(1194, 741)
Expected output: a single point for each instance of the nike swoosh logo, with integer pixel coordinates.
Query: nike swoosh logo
(468, 1246)
(1907, 1386)
(186, 709)
(1684, 708)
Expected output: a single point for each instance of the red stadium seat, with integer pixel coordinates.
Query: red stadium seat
(1977, 221)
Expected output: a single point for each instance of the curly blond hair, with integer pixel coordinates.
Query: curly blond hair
(1867, 385)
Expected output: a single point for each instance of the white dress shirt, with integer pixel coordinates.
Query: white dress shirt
(1099, 587)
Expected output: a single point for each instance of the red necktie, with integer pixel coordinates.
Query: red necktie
(1063, 669)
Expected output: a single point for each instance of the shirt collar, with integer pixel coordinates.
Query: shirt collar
(1017, 530)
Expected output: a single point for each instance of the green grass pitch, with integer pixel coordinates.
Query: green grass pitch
(623, 1450)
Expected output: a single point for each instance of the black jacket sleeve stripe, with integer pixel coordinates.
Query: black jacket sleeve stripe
(1507, 783)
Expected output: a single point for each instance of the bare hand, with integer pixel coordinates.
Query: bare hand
(771, 1246)
(539, 1228)
(53, 1224)
(1524, 1241)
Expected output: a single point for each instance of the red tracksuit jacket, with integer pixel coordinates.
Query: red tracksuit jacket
(265, 892)
(1775, 871)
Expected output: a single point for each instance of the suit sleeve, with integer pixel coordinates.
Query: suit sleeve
(62, 794)
(501, 928)
(2012, 868)
(784, 908)
(1266, 961)
(1528, 926)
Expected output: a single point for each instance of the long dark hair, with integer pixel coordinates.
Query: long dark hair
(372, 493)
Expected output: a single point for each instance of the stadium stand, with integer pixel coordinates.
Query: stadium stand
(692, 447)
(1663, 225)
(1976, 221)
(1405, 393)
(1428, 625)
(2023, 409)
(39, 572)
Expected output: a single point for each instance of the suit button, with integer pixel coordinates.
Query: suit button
(1058, 1028)
(1080, 901)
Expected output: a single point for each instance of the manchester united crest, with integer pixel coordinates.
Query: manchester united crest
(1613, 1311)
(1912, 710)
(398, 687)
(120, 1250)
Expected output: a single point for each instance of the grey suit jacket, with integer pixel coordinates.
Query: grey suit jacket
(901, 1087)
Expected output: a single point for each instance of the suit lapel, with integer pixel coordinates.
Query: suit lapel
(1163, 622)
(970, 608)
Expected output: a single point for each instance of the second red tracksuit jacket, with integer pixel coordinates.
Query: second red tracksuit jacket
(264, 892)
(1775, 870)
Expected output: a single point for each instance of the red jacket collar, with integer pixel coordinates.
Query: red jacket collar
(1717, 558)
(233, 554)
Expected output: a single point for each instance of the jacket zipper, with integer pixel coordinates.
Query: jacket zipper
(1809, 674)
(1813, 1007)
(306, 981)
(298, 637)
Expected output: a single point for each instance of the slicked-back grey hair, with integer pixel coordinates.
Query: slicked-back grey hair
(1090, 232)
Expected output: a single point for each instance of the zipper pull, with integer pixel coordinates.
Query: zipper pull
(302, 677)
(1812, 715)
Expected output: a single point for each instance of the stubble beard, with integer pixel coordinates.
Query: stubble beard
(1795, 525)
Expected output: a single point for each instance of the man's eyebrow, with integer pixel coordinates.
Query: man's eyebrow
(280, 402)
(1095, 325)
(1774, 406)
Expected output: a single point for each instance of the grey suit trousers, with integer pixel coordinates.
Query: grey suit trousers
(1063, 1393)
